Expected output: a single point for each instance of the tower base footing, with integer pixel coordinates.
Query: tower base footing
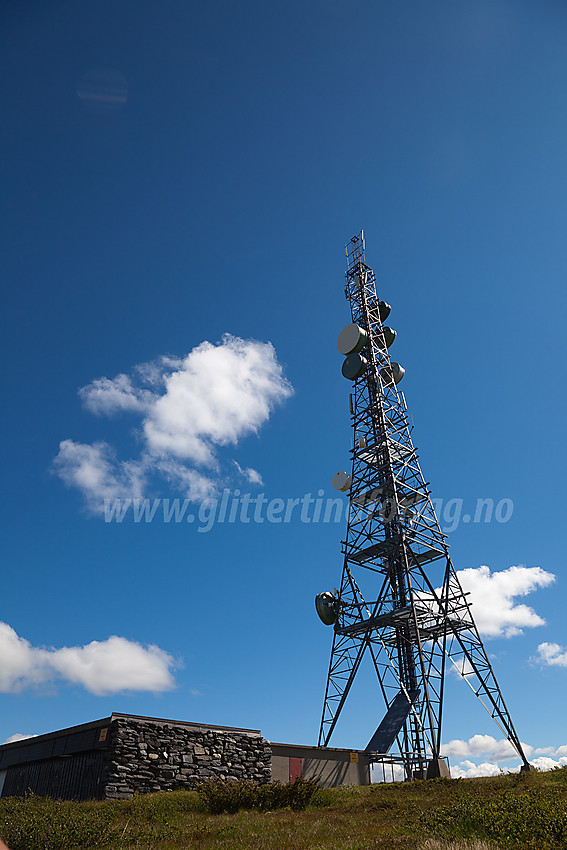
(438, 768)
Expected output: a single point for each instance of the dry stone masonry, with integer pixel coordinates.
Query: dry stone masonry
(146, 756)
(124, 754)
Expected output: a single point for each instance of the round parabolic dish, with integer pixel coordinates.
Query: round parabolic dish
(327, 607)
(396, 372)
(351, 338)
(354, 366)
(389, 335)
(383, 310)
(341, 481)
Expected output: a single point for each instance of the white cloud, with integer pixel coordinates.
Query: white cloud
(390, 773)
(468, 770)
(462, 667)
(101, 667)
(192, 483)
(504, 750)
(106, 397)
(20, 663)
(17, 736)
(493, 752)
(476, 745)
(116, 664)
(96, 472)
(552, 654)
(188, 408)
(546, 763)
(251, 475)
(483, 745)
(551, 751)
(493, 596)
(220, 394)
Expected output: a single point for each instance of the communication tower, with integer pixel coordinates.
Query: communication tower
(414, 618)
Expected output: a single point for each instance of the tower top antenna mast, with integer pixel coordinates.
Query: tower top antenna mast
(354, 250)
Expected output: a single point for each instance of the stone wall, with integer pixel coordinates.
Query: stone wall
(147, 756)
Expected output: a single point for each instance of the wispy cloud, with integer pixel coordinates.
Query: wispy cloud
(251, 475)
(101, 667)
(95, 470)
(493, 595)
(187, 409)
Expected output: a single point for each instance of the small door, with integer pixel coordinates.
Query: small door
(294, 769)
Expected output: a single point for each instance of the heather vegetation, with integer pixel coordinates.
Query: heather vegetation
(510, 811)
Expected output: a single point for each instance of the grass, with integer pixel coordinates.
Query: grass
(510, 811)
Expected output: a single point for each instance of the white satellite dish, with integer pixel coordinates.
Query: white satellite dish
(351, 339)
(341, 481)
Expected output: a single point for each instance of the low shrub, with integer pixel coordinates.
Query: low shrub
(324, 798)
(225, 796)
(229, 797)
(532, 821)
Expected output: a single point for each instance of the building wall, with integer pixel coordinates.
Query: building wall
(332, 767)
(74, 777)
(67, 764)
(150, 755)
(123, 754)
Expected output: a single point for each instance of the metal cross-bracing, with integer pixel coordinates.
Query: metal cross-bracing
(411, 616)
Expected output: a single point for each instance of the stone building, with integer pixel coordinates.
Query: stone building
(122, 754)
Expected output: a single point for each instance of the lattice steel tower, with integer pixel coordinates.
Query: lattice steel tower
(414, 615)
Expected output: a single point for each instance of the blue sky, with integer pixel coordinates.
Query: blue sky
(179, 181)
